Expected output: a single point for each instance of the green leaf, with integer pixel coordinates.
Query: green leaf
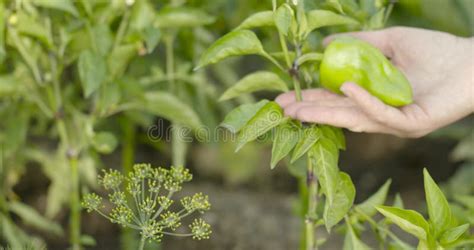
(324, 155)
(352, 242)
(12, 234)
(409, 220)
(377, 20)
(309, 137)
(109, 98)
(398, 202)
(259, 19)
(286, 137)
(284, 18)
(268, 117)
(261, 80)
(452, 234)
(62, 5)
(238, 117)
(368, 206)
(310, 57)
(143, 15)
(172, 108)
(28, 26)
(9, 85)
(298, 169)
(92, 71)
(341, 203)
(87, 240)
(334, 134)
(438, 208)
(321, 18)
(466, 200)
(340, 138)
(104, 142)
(103, 38)
(119, 59)
(32, 218)
(336, 5)
(152, 37)
(239, 42)
(182, 18)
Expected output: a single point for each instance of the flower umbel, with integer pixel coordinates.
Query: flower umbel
(139, 202)
(200, 229)
(92, 202)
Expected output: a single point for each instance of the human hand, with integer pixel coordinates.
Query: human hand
(439, 66)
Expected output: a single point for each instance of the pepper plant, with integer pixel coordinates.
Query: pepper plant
(70, 72)
(329, 193)
(442, 231)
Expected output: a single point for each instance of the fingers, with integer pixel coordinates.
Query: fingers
(372, 106)
(308, 95)
(344, 117)
(292, 108)
(382, 39)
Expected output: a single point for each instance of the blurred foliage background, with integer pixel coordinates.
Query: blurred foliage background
(92, 84)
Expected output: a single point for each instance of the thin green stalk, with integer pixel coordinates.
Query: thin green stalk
(75, 218)
(128, 147)
(55, 69)
(375, 225)
(63, 136)
(178, 235)
(178, 145)
(26, 56)
(142, 243)
(3, 201)
(311, 217)
(297, 85)
(122, 28)
(294, 74)
(303, 195)
(274, 61)
(74, 202)
(169, 47)
(388, 12)
(127, 236)
(284, 48)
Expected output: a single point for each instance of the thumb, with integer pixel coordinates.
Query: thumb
(371, 105)
(381, 39)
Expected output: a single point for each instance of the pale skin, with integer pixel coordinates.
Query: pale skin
(439, 67)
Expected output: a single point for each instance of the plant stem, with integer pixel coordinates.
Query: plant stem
(122, 28)
(3, 200)
(294, 73)
(178, 145)
(142, 243)
(128, 155)
(273, 60)
(75, 219)
(284, 47)
(297, 85)
(30, 62)
(74, 202)
(169, 47)
(388, 12)
(311, 216)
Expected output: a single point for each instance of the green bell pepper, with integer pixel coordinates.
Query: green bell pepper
(348, 59)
